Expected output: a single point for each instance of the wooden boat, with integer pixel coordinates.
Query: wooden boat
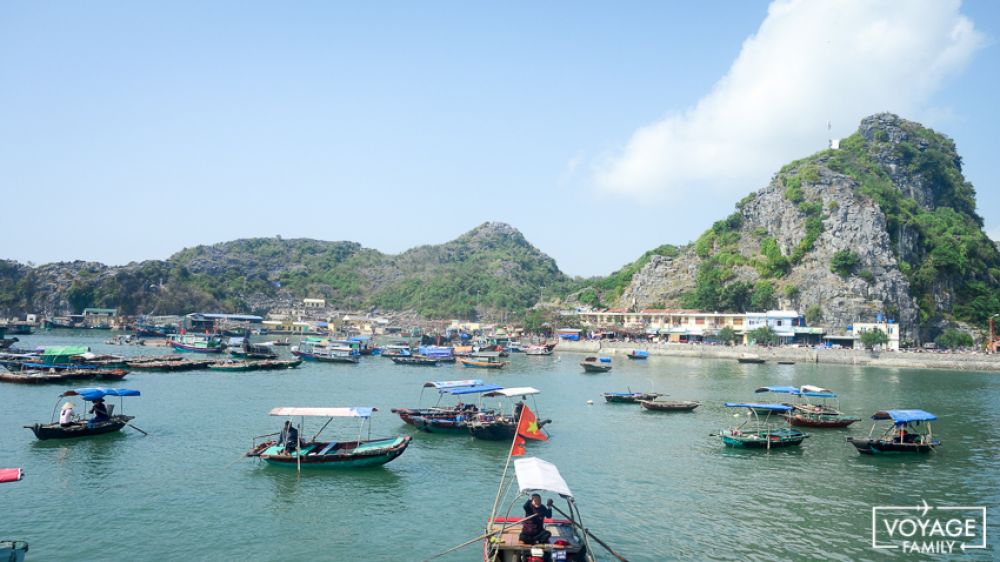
(808, 414)
(453, 419)
(263, 365)
(570, 540)
(396, 350)
(538, 350)
(904, 435)
(253, 351)
(42, 377)
(85, 428)
(497, 425)
(638, 354)
(786, 362)
(483, 360)
(13, 551)
(750, 358)
(630, 397)
(669, 405)
(196, 343)
(168, 363)
(414, 360)
(595, 365)
(325, 352)
(325, 454)
(757, 433)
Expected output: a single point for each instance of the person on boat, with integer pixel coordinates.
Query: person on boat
(66, 415)
(533, 529)
(100, 411)
(290, 437)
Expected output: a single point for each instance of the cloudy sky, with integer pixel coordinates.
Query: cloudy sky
(132, 130)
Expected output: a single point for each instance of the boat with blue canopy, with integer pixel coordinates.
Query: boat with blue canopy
(453, 419)
(909, 432)
(66, 424)
(759, 432)
(500, 424)
(638, 354)
(816, 411)
(291, 450)
(596, 364)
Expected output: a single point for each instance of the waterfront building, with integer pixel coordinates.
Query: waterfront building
(686, 325)
(890, 329)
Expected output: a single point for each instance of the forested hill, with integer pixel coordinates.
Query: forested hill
(491, 267)
(886, 223)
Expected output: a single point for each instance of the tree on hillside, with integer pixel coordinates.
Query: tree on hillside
(953, 339)
(844, 263)
(872, 338)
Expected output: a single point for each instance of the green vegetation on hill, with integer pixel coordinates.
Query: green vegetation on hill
(605, 291)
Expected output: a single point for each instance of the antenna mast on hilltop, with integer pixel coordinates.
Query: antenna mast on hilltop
(834, 143)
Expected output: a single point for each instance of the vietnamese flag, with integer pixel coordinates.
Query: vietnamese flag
(527, 426)
(518, 448)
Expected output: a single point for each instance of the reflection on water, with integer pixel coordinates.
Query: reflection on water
(657, 486)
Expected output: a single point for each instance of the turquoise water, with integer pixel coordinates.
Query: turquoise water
(655, 486)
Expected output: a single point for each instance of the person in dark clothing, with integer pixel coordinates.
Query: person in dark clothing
(100, 411)
(290, 437)
(533, 530)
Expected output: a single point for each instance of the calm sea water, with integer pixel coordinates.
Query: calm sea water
(655, 486)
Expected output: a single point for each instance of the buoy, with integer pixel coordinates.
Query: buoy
(590, 402)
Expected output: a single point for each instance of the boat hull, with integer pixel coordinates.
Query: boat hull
(882, 447)
(774, 439)
(588, 368)
(352, 359)
(55, 431)
(472, 364)
(63, 376)
(496, 431)
(804, 420)
(348, 455)
(669, 406)
(194, 349)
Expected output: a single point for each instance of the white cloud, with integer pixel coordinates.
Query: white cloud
(811, 62)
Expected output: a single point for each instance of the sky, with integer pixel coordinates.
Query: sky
(131, 130)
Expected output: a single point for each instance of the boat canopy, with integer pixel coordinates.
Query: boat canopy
(487, 354)
(516, 391)
(756, 406)
(67, 350)
(535, 474)
(902, 417)
(804, 390)
(443, 385)
(640, 353)
(92, 394)
(779, 389)
(356, 412)
(472, 389)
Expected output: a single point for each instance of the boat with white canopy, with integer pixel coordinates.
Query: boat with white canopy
(498, 424)
(292, 450)
(448, 418)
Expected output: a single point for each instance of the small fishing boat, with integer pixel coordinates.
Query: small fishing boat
(812, 414)
(249, 350)
(85, 428)
(903, 435)
(630, 397)
(415, 360)
(453, 419)
(538, 350)
(757, 433)
(263, 365)
(483, 360)
(168, 363)
(196, 343)
(291, 451)
(786, 362)
(638, 354)
(13, 551)
(751, 358)
(596, 365)
(396, 350)
(497, 425)
(569, 540)
(53, 376)
(325, 351)
(669, 405)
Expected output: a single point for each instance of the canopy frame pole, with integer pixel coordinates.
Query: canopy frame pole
(322, 428)
(298, 447)
(506, 465)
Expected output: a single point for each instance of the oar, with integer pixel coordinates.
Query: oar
(479, 538)
(137, 429)
(590, 534)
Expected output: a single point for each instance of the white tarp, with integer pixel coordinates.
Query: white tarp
(516, 391)
(325, 412)
(453, 384)
(536, 474)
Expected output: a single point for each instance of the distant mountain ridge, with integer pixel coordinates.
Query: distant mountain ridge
(491, 267)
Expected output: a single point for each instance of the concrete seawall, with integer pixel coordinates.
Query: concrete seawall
(889, 359)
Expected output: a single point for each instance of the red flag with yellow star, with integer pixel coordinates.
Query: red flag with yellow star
(518, 448)
(527, 426)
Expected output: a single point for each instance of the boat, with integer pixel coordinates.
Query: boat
(595, 365)
(13, 551)
(757, 433)
(415, 360)
(452, 419)
(326, 454)
(538, 350)
(786, 362)
(903, 435)
(284, 343)
(53, 376)
(196, 343)
(262, 365)
(638, 354)
(167, 363)
(325, 351)
(247, 350)
(396, 350)
(629, 397)
(752, 358)
(484, 360)
(811, 414)
(85, 428)
(570, 540)
(669, 405)
(495, 425)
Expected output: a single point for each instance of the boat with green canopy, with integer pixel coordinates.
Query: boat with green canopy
(904, 435)
(758, 432)
(290, 450)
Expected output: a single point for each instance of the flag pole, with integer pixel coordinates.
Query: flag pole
(517, 433)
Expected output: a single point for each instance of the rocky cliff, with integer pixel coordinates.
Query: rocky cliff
(886, 224)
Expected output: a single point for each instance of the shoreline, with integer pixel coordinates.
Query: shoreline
(886, 359)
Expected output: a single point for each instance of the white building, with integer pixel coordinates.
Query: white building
(891, 330)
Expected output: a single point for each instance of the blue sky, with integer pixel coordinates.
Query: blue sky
(131, 130)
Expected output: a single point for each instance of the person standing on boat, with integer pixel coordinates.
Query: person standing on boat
(66, 415)
(533, 530)
(100, 411)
